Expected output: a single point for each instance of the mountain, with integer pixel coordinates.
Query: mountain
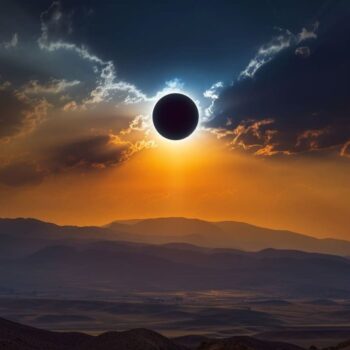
(19, 237)
(44, 257)
(32, 228)
(226, 234)
(101, 265)
(35, 234)
(14, 336)
(173, 227)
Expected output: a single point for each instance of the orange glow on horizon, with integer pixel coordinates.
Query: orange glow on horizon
(197, 177)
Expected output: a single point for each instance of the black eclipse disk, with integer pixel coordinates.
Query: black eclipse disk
(175, 116)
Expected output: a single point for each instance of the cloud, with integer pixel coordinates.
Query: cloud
(54, 86)
(57, 74)
(68, 75)
(63, 108)
(101, 151)
(12, 113)
(11, 43)
(19, 114)
(94, 152)
(36, 115)
(212, 94)
(137, 135)
(5, 85)
(70, 106)
(107, 87)
(345, 151)
(21, 174)
(303, 51)
(304, 97)
(175, 85)
(55, 24)
(308, 33)
(284, 40)
(81, 147)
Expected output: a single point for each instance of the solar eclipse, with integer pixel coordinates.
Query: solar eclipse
(175, 116)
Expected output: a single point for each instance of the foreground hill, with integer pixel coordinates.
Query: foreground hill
(14, 336)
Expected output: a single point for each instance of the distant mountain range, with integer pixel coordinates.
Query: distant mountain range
(225, 234)
(43, 257)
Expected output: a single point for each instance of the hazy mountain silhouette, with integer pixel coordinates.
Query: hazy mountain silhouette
(169, 227)
(226, 234)
(19, 237)
(103, 265)
(46, 257)
(32, 228)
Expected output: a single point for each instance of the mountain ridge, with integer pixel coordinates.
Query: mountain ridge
(229, 234)
(221, 234)
(92, 265)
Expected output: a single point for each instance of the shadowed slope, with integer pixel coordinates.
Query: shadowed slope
(14, 336)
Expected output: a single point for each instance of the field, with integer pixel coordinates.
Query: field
(176, 314)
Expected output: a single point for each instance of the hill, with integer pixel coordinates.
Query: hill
(14, 336)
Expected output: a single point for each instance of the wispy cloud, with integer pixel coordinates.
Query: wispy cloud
(212, 94)
(345, 151)
(282, 41)
(11, 43)
(54, 86)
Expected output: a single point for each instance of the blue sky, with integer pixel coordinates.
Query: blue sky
(150, 42)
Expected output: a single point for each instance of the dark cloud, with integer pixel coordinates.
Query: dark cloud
(302, 51)
(19, 114)
(86, 154)
(95, 152)
(298, 101)
(21, 174)
(12, 113)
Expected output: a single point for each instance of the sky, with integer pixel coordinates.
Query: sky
(79, 79)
